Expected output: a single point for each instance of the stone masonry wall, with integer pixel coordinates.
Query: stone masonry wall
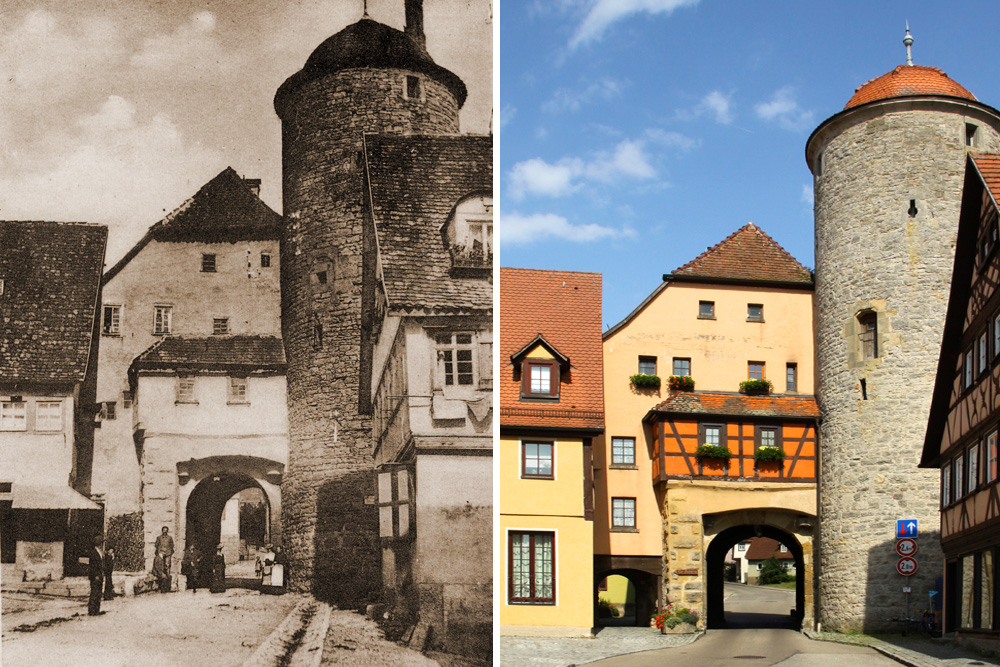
(330, 530)
(871, 254)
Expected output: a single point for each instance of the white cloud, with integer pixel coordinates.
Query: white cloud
(514, 229)
(570, 99)
(670, 139)
(192, 49)
(715, 104)
(538, 177)
(784, 110)
(602, 13)
(504, 117)
(807, 195)
(114, 168)
(627, 160)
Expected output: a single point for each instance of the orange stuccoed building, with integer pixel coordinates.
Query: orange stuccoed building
(710, 428)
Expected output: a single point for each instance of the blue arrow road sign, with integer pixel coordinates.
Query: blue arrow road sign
(906, 528)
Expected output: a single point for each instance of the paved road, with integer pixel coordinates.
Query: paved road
(756, 636)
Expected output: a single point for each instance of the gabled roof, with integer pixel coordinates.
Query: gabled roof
(565, 308)
(982, 174)
(415, 183)
(51, 274)
(246, 353)
(224, 210)
(908, 81)
(726, 404)
(748, 254)
(518, 356)
(762, 548)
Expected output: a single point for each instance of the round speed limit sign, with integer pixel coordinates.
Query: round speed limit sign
(906, 566)
(906, 547)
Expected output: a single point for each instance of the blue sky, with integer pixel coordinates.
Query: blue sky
(633, 134)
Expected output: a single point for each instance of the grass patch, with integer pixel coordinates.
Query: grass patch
(784, 584)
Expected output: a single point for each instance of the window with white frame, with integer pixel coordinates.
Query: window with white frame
(713, 435)
(945, 485)
(623, 451)
(185, 389)
(967, 368)
(972, 456)
(162, 316)
(991, 456)
(237, 390)
(742, 546)
(112, 321)
(13, 416)
(470, 232)
(983, 352)
(623, 512)
(48, 416)
(456, 365)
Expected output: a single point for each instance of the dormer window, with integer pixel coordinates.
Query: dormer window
(469, 235)
(542, 369)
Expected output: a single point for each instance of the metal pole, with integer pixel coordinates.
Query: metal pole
(906, 623)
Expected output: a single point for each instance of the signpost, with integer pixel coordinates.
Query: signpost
(906, 547)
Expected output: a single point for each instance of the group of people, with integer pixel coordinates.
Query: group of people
(198, 567)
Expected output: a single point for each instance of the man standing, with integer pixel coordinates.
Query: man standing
(96, 575)
(165, 550)
(109, 568)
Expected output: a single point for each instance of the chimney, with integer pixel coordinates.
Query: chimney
(415, 22)
(253, 184)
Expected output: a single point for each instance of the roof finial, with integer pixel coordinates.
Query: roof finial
(908, 40)
(366, 10)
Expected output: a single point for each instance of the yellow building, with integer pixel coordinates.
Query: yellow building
(740, 311)
(551, 399)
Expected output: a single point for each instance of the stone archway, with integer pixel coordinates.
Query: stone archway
(645, 584)
(206, 507)
(792, 529)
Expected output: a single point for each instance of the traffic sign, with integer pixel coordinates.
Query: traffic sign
(906, 528)
(906, 566)
(906, 547)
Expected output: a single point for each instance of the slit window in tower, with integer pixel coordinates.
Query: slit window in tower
(413, 91)
(912, 211)
(868, 335)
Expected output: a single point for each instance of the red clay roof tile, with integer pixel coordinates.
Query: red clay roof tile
(762, 548)
(908, 81)
(735, 405)
(565, 307)
(989, 168)
(747, 254)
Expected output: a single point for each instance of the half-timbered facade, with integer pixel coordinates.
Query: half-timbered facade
(964, 419)
(691, 463)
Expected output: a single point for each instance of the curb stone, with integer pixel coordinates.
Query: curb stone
(274, 647)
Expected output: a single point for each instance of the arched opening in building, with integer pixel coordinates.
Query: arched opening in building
(233, 510)
(740, 600)
(631, 593)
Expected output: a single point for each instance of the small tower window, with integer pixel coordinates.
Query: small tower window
(265, 260)
(412, 89)
(970, 134)
(868, 335)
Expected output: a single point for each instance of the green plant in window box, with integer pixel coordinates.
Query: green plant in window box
(643, 381)
(713, 452)
(756, 387)
(769, 454)
(681, 383)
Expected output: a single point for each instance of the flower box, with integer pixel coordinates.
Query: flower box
(713, 452)
(643, 381)
(681, 383)
(676, 620)
(751, 387)
(769, 454)
(679, 629)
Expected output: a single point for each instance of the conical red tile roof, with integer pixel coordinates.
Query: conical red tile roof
(908, 81)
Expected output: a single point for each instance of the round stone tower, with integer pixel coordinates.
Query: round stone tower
(368, 78)
(888, 172)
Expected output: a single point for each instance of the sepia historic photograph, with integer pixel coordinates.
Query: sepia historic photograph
(246, 332)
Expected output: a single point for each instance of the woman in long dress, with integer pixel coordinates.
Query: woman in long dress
(218, 572)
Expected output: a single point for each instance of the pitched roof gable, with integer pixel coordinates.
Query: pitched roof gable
(565, 308)
(223, 210)
(52, 275)
(213, 353)
(762, 548)
(415, 183)
(982, 174)
(748, 254)
(539, 341)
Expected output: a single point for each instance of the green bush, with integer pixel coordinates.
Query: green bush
(769, 454)
(643, 381)
(713, 452)
(771, 572)
(125, 537)
(605, 608)
(756, 386)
